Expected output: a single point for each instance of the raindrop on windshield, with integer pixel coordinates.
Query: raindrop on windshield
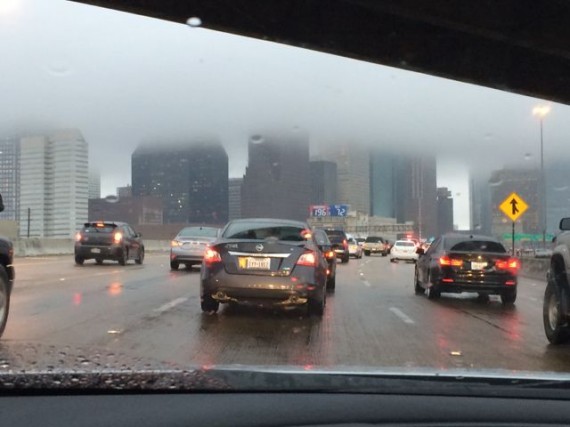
(194, 22)
(257, 139)
(112, 198)
(527, 156)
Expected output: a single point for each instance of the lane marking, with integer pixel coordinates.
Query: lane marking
(170, 305)
(530, 298)
(366, 282)
(402, 315)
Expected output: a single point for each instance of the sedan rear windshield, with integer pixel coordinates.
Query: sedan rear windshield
(198, 232)
(405, 244)
(252, 231)
(99, 228)
(479, 246)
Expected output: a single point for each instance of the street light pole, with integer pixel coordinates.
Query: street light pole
(541, 111)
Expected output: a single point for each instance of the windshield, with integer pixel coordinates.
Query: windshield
(198, 232)
(173, 126)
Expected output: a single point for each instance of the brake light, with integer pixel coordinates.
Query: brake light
(308, 259)
(212, 256)
(447, 280)
(118, 237)
(510, 264)
(450, 262)
(330, 254)
(78, 237)
(175, 243)
(345, 243)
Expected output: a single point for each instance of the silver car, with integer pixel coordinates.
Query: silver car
(189, 245)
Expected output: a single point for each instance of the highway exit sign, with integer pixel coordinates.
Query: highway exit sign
(513, 206)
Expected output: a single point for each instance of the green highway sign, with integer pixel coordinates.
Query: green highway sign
(527, 237)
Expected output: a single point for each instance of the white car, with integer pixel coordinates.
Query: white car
(404, 250)
(354, 249)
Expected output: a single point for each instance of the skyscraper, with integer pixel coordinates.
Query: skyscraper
(234, 197)
(444, 211)
(416, 193)
(382, 185)
(192, 180)
(480, 203)
(353, 170)
(276, 183)
(10, 178)
(54, 184)
(94, 185)
(324, 182)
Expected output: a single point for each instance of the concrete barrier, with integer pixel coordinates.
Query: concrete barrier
(40, 247)
(535, 268)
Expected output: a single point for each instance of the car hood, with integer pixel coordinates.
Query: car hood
(301, 379)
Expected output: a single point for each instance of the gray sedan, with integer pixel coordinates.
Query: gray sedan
(189, 245)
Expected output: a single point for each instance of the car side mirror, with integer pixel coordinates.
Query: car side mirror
(420, 251)
(565, 224)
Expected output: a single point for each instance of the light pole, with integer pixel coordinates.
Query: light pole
(541, 111)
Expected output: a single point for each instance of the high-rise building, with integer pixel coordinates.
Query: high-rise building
(146, 210)
(54, 184)
(382, 185)
(480, 203)
(353, 170)
(444, 211)
(276, 181)
(415, 181)
(234, 197)
(94, 185)
(324, 182)
(10, 178)
(557, 183)
(126, 191)
(524, 182)
(192, 180)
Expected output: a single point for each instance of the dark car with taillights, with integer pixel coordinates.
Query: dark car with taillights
(456, 263)
(268, 262)
(108, 240)
(339, 240)
(327, 249)
(189, 245)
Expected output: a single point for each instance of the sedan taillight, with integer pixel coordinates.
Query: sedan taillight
(78, 237)
(330, 254)
(118, 237)
(512, 264)
(450, 262)
(211, 256)
(307, 259)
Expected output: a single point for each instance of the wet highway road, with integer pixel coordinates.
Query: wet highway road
(91, 317)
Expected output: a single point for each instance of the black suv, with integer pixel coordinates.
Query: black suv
(6, 276)
(110, 240)
(339, 242)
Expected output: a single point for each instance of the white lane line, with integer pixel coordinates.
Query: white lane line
(170, 305)
(402, 315)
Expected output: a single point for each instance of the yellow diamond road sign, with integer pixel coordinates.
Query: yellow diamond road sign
(513, 206)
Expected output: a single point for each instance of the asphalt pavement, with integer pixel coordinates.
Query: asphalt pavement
(95, 317)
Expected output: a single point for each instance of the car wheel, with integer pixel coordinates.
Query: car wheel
(174, 265)
(433, 291)
(79, 260)
(345, 259)
(209, 304)
(553, 313)
(393, 259)
(140, 259)
(99, 261)
(316, 306)
(384, 254)
(4, 299)
(367, 253)
(188, 266)
(331, 283)
(417, 286)
(123, 258)
(509, 297)
(484, 298)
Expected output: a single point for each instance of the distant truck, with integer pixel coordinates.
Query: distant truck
(6, 276)
(556, 305)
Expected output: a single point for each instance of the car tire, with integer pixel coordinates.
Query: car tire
(316, 306)
(99, 261)
(483, 298)
(188, 266)
(79, 260)
(345, 259)
(555, 304)
(209, 304)
(331, 284)
(174, 265)
(140, 258)
(393, 260)
(433, 291)
(384, 254)
(4, 299)
(509, 297)
(123, 258)
(417, 286)
(367, 253)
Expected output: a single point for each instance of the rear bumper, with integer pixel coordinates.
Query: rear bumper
(186, 256)
(290, 290)
(100, 252)
(406, 257)
(495, 286)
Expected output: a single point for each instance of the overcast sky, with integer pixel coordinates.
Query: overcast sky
(123, 79)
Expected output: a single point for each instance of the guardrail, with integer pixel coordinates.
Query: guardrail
(40, 247)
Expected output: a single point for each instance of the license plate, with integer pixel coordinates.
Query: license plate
(478, 265)
(96, 250)
(252, 263)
